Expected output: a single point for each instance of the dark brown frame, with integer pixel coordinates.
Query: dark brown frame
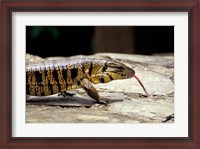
(9, 6)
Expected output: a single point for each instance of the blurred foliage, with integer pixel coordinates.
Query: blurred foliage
(36, 31)
(48, 41)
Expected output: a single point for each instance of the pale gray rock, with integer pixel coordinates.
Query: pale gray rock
(126, 99)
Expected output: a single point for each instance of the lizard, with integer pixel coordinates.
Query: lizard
(58, 76)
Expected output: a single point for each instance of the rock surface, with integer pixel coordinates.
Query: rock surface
(126, 100)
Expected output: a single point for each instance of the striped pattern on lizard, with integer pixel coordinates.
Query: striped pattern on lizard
(58, 76)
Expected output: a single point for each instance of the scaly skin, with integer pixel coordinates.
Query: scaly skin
(57, 76)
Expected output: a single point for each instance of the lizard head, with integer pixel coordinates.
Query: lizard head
(106, 71)
(114, 70)
(117, 70)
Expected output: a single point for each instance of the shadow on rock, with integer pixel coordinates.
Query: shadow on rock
(66, 101)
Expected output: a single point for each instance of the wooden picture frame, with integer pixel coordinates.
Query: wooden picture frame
(9, 6)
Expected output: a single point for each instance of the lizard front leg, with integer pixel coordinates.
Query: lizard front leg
(91, 91)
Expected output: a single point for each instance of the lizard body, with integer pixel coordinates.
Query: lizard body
(57, 76)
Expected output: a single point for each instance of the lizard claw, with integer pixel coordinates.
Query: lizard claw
(103, 102)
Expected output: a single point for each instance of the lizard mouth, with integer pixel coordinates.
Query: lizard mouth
(141, 84)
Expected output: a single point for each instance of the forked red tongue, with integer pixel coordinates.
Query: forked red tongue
(141, 84)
